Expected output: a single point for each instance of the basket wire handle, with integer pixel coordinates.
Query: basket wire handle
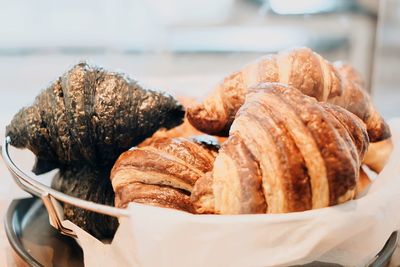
(35, 188)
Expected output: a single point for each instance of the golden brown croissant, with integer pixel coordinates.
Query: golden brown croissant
(162, 173)
(286, 152)
(300, 68)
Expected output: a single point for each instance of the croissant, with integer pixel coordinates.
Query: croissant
(163, 173)
(286, 152)
(300, 68)
(90, 115)
(93, 185)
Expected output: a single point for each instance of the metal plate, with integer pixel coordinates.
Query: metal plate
(34, 240)
(37, 243)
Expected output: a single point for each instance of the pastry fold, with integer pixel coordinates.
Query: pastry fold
(156, 195)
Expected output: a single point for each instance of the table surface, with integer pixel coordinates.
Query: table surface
(21, 79)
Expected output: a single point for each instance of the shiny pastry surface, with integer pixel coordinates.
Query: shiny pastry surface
(90, 114)
(173, 164)
(305, 154)
(301, 68)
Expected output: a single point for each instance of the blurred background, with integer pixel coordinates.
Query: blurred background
(186, 46)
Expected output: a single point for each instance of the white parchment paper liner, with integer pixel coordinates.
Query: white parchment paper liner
(350, 234)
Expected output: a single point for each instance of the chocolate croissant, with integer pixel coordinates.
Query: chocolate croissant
(286, 152)
(88, 183)
(300, 68)
(162, 173)
(90, 115)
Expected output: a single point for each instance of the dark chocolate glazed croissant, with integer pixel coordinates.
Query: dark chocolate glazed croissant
(88, 183)
(162, 173)
(90, 115)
